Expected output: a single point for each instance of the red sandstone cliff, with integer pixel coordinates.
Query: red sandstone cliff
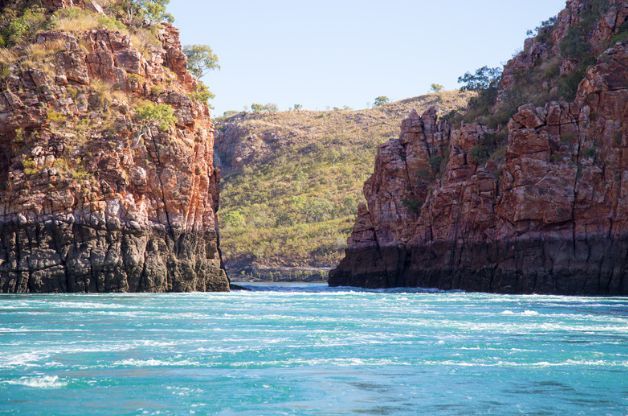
(547, 213)
(96, 196)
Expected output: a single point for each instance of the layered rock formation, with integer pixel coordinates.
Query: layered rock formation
(107, 180)
(547, 213)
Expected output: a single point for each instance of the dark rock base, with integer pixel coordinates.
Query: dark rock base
(55, 256)
(586, 267)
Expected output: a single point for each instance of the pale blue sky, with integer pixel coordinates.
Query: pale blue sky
(331, 53)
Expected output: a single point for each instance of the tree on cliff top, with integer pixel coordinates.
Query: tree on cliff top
(142, 12)
(484, 78)
(201, 59)
(381, 100)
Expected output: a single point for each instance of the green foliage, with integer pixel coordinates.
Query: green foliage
(201, 59)
(233, 219)
(487, 146)
(381, 100)
(161, 115)
(143, 12)
(483, 79)
(55, 117)
(297, 107)
(16, 28)
(436, 162)
(413, 205)
(622, 34)
(576, 47)
(264, 108)
(437, 88)
(590, 153)
(29, 166)
(202, 94)
(544, 30)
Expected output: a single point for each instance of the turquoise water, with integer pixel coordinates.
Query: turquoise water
(313, 351)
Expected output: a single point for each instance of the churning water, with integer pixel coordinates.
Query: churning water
(311, 350)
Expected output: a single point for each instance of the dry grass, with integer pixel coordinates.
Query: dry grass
(74, 19)
(145, 41)
(7, 57)
(295, 205)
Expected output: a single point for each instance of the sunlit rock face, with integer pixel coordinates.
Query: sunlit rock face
(549, 215)
(93, 199)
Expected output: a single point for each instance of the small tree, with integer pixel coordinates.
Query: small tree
(437, 88)
(264, 108)
(381, 100)
(484, 78)
(297, 107)
(149, 12)
(201, 59)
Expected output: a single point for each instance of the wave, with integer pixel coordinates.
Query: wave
(524, 313)
(43, 382)
(131, 362)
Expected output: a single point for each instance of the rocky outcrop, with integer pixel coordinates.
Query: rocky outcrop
(96, 194)
(547, 213)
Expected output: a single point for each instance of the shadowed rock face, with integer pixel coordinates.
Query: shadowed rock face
(550, 216)
(92, 199)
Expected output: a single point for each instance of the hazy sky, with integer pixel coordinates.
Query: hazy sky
(331, 53)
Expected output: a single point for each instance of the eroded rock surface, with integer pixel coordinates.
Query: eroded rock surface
(549, 216)
(92, 197)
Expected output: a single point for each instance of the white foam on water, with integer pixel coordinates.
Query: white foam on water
(27, 359)
(154, 363)
(539, 364)
(524, 313)
(43, 382)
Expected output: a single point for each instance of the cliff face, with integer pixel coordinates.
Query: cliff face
(547, 213)
(107, 180)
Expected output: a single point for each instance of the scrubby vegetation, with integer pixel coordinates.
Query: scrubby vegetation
(381, 100)
(264, 108)
(160, 115)
(297, 207)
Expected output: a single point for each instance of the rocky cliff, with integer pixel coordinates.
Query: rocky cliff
(107, 180)
(537, 205)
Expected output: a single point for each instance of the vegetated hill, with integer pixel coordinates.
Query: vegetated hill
(106, 170)
(291, 182)
(532, 194)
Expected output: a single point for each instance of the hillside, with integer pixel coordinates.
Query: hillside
(291, 182)
(107, 181)
(532, 194)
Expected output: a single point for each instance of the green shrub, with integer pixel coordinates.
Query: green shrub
(15, 28)
(202, 94)
(435, 163)
(29, 167)
(381, 100)
(264, 108)
(160, 115)
(413, 205)
(487, 146)
(437, 88)
(55, 117)
(141, 12)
